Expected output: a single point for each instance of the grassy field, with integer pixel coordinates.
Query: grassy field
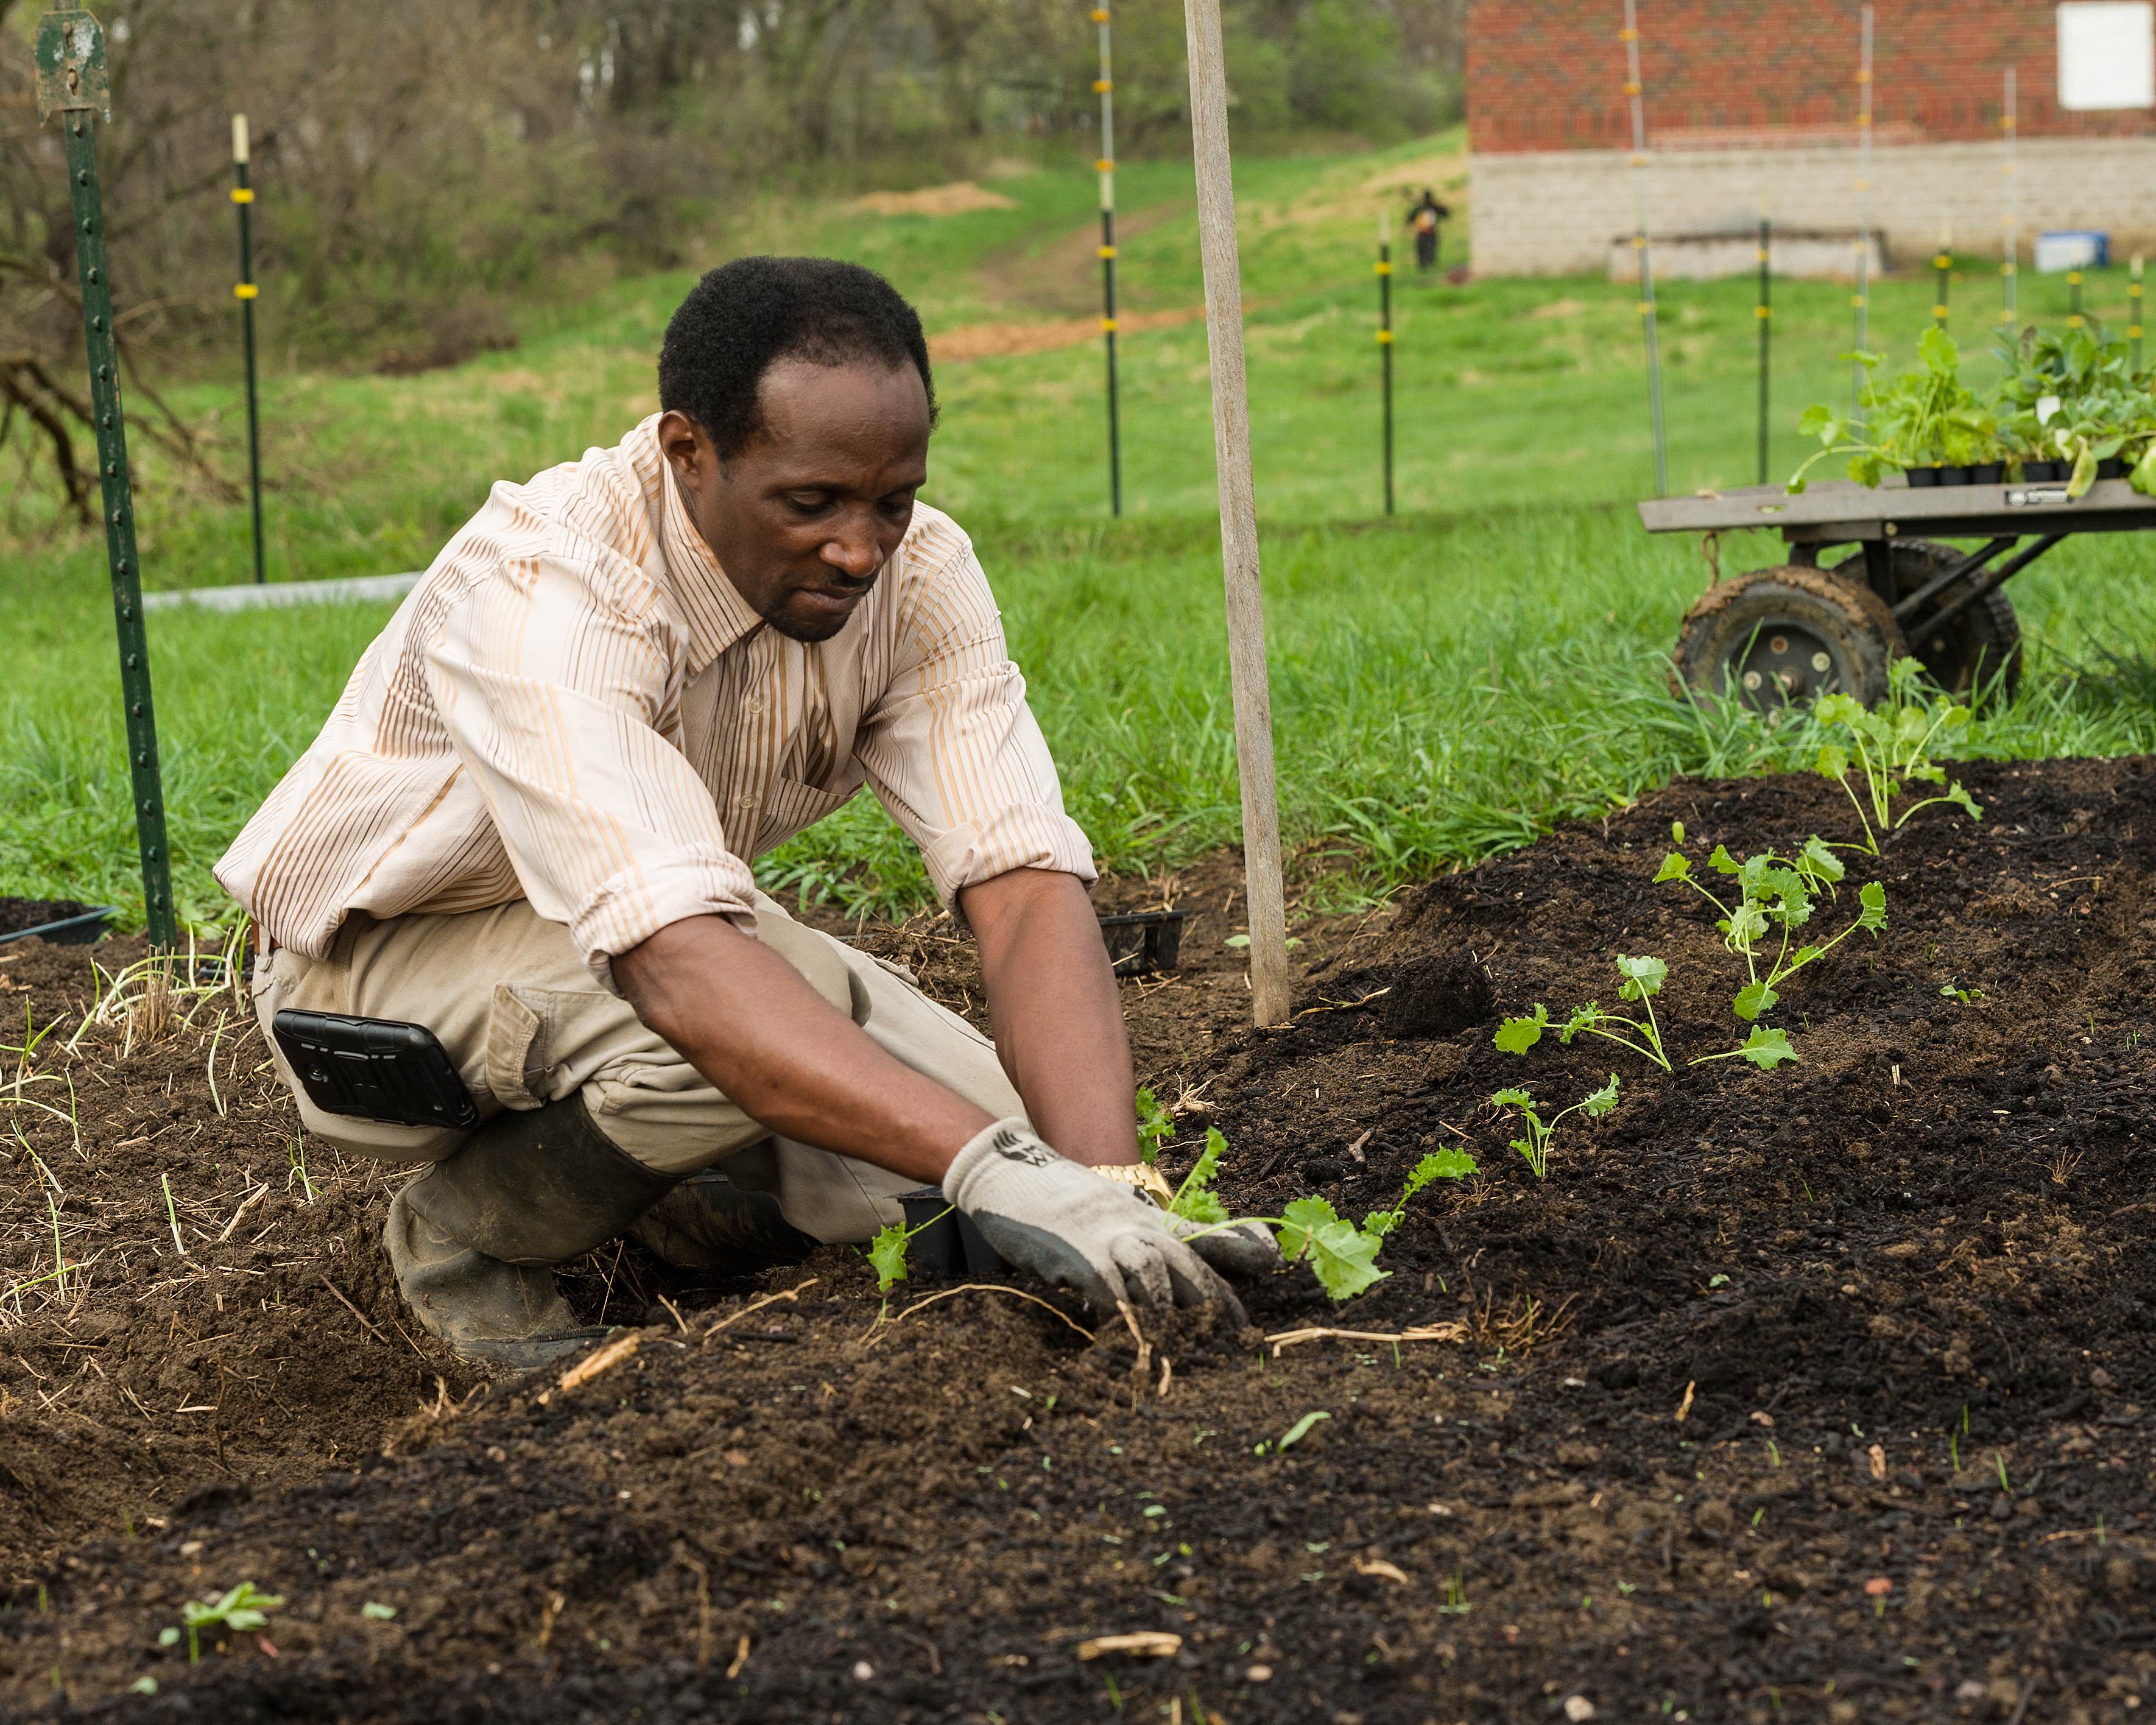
(1446, 683)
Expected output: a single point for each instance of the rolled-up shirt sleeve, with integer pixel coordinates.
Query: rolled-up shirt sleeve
(553, 696)
(954, 752)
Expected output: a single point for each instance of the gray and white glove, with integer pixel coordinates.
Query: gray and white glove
(1057, 1218)
(1243, 1249)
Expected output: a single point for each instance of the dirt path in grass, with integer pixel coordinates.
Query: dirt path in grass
(1820, 1394)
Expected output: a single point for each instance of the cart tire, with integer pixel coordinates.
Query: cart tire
(1978, 656)
(1786, 636)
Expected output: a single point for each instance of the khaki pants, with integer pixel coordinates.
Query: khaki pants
(527, 1023)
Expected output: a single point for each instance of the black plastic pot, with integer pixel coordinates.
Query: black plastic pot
(1921, 478)
(1145, 941)
(2039, 471)
(1953, 475)
(77, 931)
(948, 1244)
(2111, 467)
(1987, 473)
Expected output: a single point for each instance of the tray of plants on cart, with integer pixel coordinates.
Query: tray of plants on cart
(2071, 405)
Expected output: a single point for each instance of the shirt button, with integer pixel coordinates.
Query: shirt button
(745, 801)
(752, 704)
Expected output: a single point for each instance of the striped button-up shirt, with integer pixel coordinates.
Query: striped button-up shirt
(575, 706)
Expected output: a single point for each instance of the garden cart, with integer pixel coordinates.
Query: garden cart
(1798, 630)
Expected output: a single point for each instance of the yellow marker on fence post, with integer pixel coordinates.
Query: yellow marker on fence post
(2009, 268)
(1764, 311)
(243, 198)
(2133, 311)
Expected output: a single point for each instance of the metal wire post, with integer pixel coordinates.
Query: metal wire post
(2010, 266)
(1104, 87)
(1861, 298)
(72, 83)
(244, 290)
(2073, 298)
(1942, 278)
(1634, 89)
(1385, 339)
(1765, 313)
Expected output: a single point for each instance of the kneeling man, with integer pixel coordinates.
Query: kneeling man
(528, 826)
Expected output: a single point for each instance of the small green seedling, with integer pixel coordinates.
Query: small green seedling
(1968, 997)
(1643, 980)
(887, 1250)
(1456, 1596)
(1893, 743)
(374, 1611)
(1767, 1047)
(1156, 1126)
(1301, 1429)
(1536, 1146)
(1775, 891)
(1341, 1256)
(246, 1607)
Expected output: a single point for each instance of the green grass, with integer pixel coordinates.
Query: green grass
(1445, 685)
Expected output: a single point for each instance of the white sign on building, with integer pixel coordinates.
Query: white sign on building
(2107, 54)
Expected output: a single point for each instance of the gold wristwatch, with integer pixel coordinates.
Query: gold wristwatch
(1143, 1175)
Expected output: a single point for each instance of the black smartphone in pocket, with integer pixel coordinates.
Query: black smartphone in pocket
(374, 1069)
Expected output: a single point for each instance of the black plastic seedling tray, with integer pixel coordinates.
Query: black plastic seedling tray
(948, 1244)
(76, 931)
(1144, 941)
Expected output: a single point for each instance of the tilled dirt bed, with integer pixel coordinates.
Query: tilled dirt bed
(1822, 1394)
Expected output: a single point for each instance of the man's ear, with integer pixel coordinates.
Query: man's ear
(687, 449)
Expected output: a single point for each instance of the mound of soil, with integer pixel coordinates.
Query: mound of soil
(1816, 1393)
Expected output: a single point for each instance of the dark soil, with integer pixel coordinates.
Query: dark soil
(17, 914)
(1820, 1393)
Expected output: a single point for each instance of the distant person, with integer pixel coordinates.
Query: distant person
(528, 828)
(1424, 219)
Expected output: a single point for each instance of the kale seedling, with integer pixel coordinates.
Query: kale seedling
(1536, 1146)
(1772, 890)
(887, 1250)
(1643, 980)
(1341, 1256)
(246, 1607)
(1156, 1126)
(1893, 745)
(1968, 997)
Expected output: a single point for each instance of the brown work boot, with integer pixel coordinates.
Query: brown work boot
(473, 1240)
(708, 1223)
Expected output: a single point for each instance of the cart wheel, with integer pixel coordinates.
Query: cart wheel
(1977, 654)
(1777, 637)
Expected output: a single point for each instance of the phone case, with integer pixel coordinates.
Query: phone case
(374, 1069)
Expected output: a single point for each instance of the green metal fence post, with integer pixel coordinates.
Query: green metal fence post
(1764, 312)
(243, 198)
(72, 84)
(1104, 87)
(1385, 342)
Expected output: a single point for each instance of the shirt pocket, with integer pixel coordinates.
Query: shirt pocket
(790, 807)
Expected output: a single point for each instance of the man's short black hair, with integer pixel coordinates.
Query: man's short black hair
(745, 315)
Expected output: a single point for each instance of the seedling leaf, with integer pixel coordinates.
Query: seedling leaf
(1341, 1255)
(1519, 1035)
(1601, 1102)
(1753, 999)
(887, 1256)
(1873, 900)
(1643, 977)
(1195, 1198)
(1301, 1429)
(1767, 1047)
(1723, 863)
(1675, 867)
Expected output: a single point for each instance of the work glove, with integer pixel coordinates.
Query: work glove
(1058, 1220)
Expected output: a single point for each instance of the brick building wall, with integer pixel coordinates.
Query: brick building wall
(1752, 102)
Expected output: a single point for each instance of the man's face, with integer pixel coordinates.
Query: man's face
(803, 518)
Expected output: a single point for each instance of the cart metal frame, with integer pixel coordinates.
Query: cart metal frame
(2017, 522)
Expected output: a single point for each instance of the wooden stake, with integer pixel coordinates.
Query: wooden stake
(1271, 1000)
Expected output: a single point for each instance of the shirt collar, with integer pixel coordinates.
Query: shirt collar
(717, 615)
